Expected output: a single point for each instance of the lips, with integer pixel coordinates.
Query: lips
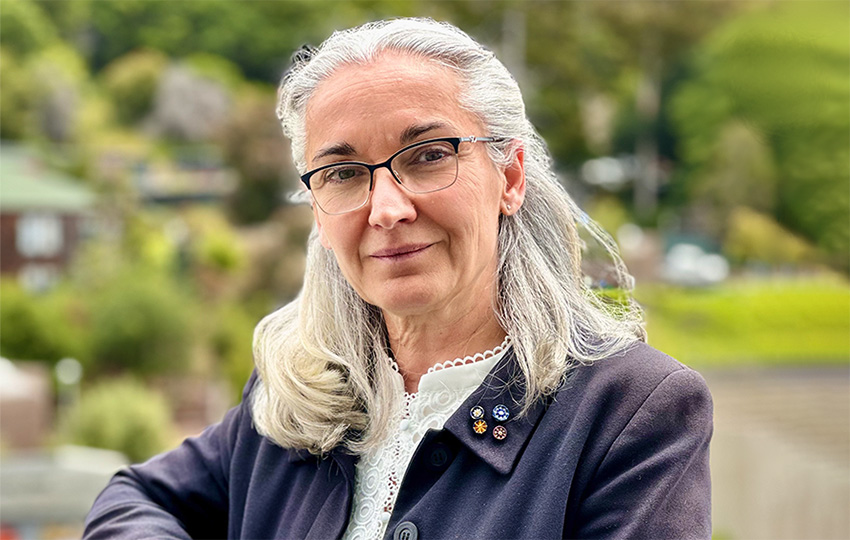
(400, 252)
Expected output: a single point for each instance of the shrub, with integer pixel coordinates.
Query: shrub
(141, 324)
(40, 327)
(16, 100)
(131, 82)
(231, 343)
(755, 237)
(122, 415)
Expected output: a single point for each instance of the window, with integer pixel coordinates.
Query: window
(39, 235)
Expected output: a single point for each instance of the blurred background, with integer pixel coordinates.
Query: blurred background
(146, 227)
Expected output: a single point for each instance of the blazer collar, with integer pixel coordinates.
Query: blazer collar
(503, 386)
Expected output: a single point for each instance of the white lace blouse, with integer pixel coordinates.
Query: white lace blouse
(379, 473)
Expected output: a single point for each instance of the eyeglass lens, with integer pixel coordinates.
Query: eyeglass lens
(421, 169)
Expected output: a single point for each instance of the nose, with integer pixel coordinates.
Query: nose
(390, 202)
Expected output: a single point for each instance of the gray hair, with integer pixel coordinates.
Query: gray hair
(326, 375)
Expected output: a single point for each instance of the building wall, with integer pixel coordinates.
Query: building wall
(13, 261)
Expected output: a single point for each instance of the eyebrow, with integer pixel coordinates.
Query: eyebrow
(407, 136)
(339, 149)
(412, 132)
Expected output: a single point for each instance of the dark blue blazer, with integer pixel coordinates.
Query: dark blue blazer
(620, 451)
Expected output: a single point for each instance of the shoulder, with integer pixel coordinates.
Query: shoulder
(632, 375)
(641, 423)
(613, 393)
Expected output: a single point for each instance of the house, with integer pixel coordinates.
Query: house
(43, 216)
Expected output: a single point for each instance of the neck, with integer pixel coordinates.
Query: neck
(419, 344)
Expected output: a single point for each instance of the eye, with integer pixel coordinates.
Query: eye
(342, 174)
(432, 154)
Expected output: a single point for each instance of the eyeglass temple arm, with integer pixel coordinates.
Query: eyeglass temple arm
(473, 139)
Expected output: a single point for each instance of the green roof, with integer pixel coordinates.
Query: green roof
(27, 183)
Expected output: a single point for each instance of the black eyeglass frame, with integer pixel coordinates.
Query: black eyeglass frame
(454, 141)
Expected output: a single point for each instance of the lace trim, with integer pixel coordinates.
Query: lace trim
(477, 357)
(380, 472)
(472, 359)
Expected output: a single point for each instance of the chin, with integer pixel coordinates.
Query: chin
(409, 301)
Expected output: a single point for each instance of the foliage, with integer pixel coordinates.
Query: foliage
(140, 324)
(598, 44)
(122, 415)
(740, 173)
(24, 28)
(45, 327)
(219, 252)
(146, 242)
(785, 72)
(59, 77)
(756, 238)
(16, 97)
(131, 82)
(751, 322)
(254, 145)
(609, 213)
(763, 121)
(232, 344)
(250, 34)
(214, 252)
(216, 68)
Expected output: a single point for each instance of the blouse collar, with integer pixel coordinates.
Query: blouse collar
(459, 377)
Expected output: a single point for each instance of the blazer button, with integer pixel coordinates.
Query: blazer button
(439, 456)
(406, 531)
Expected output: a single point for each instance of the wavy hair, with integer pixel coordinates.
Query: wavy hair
(324, 361)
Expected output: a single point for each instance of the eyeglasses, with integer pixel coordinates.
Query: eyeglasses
(423, 167)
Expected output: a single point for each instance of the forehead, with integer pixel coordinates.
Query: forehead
(370, 105)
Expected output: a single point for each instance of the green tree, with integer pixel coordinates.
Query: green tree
(131, 82)
(756, 238)
(784, 71)
(231, 340)
(254, 145)
(740, 173)
(254, 35)
(44, 327)
(569, 55)
(24, 28)
(60, 79)
(16, 97)
(141, 324)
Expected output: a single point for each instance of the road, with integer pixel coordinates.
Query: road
(781, 453)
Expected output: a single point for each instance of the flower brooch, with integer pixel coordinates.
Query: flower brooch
(500, 414)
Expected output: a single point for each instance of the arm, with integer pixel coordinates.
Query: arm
(179, 494)
(654, 481)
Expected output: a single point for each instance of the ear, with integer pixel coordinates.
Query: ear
(317, 214)
(514, 191)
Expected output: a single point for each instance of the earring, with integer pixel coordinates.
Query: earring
(508, 206)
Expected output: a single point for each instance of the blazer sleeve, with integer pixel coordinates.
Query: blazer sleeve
(179, 494)
(654, 481)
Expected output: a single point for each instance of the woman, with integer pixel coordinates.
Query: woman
(441, 233)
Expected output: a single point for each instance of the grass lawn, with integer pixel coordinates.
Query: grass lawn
(748, 322)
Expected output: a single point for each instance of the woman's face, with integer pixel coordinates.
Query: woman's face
(410, 254)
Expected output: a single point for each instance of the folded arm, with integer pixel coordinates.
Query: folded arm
(179, 494)
(654, 481)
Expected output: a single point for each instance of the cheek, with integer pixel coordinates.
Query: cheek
(323, 237)
(482, 198)
(344, 243)
(475, 215)
(338, 237)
